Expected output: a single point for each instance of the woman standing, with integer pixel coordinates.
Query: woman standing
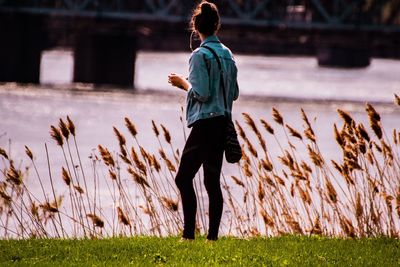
(209, 106)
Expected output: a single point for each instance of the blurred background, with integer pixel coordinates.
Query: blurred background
(102, 39)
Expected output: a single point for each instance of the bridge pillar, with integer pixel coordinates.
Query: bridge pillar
(346, 52)
(21, 45)
(105, 59)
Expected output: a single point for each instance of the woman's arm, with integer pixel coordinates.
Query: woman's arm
(198, 86)
(199, 77)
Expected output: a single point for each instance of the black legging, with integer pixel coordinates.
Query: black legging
(204, 146)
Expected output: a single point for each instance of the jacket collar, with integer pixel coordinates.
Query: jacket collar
(210, 39)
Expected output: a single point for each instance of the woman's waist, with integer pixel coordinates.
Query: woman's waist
(210, 121)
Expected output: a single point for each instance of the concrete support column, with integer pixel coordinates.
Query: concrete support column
(105, 59)
(344, 51)
(21, 45)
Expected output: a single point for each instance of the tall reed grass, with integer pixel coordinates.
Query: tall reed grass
(132, 191)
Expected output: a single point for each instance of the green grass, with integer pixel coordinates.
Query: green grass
(145, 251)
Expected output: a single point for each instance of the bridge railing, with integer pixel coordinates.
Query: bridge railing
(335, 14)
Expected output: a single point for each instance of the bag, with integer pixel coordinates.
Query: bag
(233, 150)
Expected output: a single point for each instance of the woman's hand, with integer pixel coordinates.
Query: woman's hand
(178, 81)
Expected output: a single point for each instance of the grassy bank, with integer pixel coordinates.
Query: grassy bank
(282, 251)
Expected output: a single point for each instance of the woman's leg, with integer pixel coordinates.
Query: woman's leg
(191, 161)
(212, 171)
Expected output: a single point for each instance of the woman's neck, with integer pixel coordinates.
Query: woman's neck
(203, 36)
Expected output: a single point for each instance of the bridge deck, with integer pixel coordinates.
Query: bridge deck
(372, 15)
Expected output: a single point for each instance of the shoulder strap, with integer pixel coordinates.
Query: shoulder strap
(221, 73)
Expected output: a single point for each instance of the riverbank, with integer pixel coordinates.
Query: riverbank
(147, 251)
(82, 90)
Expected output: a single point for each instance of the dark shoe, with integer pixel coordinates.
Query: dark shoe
(184, 239)
(211, 239)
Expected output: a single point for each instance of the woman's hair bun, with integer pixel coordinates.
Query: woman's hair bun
(205, 18)
(206, 8)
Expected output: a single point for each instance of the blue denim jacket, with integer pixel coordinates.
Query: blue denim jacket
(205, 98)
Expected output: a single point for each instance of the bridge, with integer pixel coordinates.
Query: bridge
(105, 34)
